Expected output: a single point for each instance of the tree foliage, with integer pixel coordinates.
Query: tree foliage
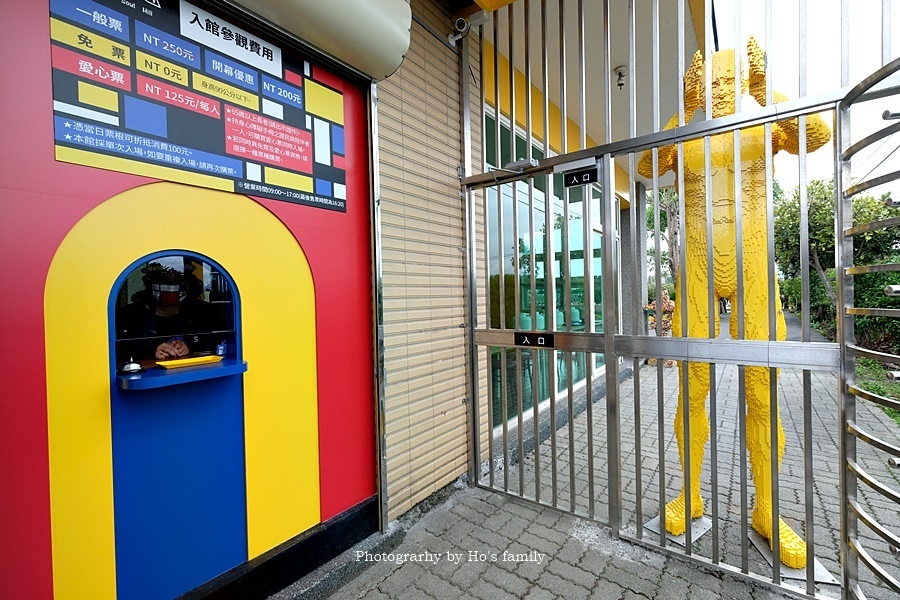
(867, 248)
(668, 215)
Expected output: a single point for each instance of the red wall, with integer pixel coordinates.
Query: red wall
(41, 199)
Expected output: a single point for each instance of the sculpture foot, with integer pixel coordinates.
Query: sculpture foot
(675, 511)
(793, 549)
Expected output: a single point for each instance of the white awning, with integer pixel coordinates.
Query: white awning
(371, 36)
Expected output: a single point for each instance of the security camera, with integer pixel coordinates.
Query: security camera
(463, 25)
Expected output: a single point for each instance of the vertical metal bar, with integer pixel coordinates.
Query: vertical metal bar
(808, 466)
(549, 253)
(681, 115)
(658, 313)
(496, 39)
(487, 237)
(775, 540)
(610, 325)
(640, 275)
(501, 308)
(504, 383)
(682, 290)
(474, 371)
(609, 212)
(566, 259)
(511, 50)
(513, 123)
(563, 100)
(588, 257)
(739, 300)
(845, 328)
(465, 105)
(487, 302)
(707, 59)
(712, 303)
(533, 354)
(378, 309)
(660, 400)
(472, 381)
(476, 403)
(582, 113)
(482, 98)
(588, 318)
(638, 301)
(737, 61)
(685, 365)
(845, 325)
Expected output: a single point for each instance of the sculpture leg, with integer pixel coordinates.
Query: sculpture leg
(793, 548)
(698, 388)
(759, 447)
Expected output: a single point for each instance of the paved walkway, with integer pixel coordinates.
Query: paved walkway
(490, 545)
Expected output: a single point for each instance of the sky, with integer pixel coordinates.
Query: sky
(823, 68)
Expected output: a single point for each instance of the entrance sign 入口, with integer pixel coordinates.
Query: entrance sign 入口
(582, 177)
(538, 339)
(171, 91)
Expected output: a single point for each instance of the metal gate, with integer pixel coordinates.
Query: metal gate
(869, 492)
(593, 401)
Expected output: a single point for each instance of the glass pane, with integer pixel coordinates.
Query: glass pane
(173, 307)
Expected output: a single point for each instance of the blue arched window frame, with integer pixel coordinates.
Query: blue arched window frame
(233, 364)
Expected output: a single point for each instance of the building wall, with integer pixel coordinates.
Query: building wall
(424, 266)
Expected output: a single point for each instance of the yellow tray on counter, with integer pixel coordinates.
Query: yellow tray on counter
(188, 362)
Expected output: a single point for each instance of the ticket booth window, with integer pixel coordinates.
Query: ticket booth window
(174, 306)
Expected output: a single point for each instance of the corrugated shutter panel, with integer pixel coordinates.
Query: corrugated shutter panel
(424, 268)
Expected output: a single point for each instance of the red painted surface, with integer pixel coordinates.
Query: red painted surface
(340, 258)
(40, 201)
(328, 78)
(90, 68)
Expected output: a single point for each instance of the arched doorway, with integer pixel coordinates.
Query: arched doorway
(279, 409)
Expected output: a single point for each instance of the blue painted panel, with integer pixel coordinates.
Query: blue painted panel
(323, 187)
(94, 16)
(179, 486)
(231, 71)
(282, 92)
(146, 117)
(337, 139)
(166, 45)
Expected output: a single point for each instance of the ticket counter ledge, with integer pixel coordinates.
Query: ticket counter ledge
(158, 377)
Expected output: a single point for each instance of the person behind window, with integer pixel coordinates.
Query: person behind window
(163, 320)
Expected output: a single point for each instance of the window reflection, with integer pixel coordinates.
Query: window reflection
(174, 306)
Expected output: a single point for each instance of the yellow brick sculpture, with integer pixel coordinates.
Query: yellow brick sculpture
(785, 136)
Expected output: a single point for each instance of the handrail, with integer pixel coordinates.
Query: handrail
(870, 139)
(861, 187)
(877, 399)
(883, 224)
(861, 270)
(870, 439)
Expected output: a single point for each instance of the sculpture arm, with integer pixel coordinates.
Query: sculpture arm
(785, 134)
(667, 156)
(693, 96)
